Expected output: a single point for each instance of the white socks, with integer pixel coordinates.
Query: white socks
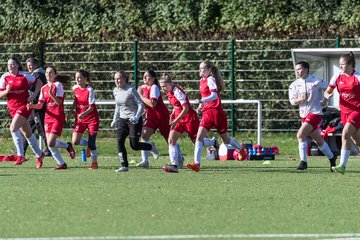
(60, 144)
(344, 157)
(17, 139)
(145, 153)
(173, 154)
(56, 155)
(302, 151)
(94, 155)
(83, 142)
(198, 152)
(326, 150)
(34, 145)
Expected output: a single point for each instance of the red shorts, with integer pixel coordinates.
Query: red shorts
(54, 127)
(214, 117)
(23, 111)
(155, 123)
(314, 120)
(353, 118)
(190, 124)
(80, 127)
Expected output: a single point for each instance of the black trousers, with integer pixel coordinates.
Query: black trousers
(126, 128)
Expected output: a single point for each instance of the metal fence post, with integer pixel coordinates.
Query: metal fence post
(232, 85)
(135, 63)
(337, 41)
(41, 53)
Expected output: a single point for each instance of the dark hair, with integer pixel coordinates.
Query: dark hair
(349, 58)
(15, 59)
(153, 74)
(123, 74)
(304, 65)
(215, 72)
(86, 75)
(63, 79)
(33, 61)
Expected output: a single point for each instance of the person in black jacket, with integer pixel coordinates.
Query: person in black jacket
(36, 119)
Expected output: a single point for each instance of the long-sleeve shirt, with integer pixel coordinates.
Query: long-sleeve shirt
(128, 102)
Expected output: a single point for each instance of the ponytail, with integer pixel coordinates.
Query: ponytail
(86, 75)
(215, 72)
(349, 58)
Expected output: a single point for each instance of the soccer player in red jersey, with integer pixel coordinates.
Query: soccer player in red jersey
(347, 83)
(213, 115)
(87, 116)
(52, 94)
(157, 114)
(14, 85)
(182, 119)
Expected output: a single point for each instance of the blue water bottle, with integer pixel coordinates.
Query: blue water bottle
(83, 156)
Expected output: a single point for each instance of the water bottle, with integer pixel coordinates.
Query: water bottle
(83, 156)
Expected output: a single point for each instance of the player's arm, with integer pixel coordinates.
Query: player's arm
(38, 86)
(294, 97)
(184, 111)
(5, 92)
(329, 92)
(71, 111)
(56, 99)
(36, 106)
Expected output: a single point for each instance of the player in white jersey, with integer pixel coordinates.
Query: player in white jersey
(307, 93)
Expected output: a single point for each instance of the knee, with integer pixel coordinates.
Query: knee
(51, 143)
(172, 141)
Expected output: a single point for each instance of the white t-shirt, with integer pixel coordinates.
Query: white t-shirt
(313, 88)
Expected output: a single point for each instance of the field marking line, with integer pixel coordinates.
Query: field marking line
(337, 236)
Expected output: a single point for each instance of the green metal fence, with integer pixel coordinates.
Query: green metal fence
(252, 69)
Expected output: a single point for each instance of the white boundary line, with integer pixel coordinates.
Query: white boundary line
(333, 236)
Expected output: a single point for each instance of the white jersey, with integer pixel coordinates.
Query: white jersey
(312, 87)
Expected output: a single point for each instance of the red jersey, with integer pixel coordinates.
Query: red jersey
(19, 92)
(54, 112)
(153, 93)
(85, 98)
(348, 87)
(208, 85)
(178, 98)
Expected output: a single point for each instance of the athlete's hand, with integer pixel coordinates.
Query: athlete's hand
(134, 119)
(113, 123)
(29, 106)
(173, 124)
(198, 110)
(197, 101)
(301, 98)
(328, 95)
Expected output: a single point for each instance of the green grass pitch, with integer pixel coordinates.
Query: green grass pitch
(226, 199)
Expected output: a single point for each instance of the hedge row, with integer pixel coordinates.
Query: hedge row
(105, 20)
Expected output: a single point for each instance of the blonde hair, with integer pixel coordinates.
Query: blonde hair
(215, 72)
(165, 78)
